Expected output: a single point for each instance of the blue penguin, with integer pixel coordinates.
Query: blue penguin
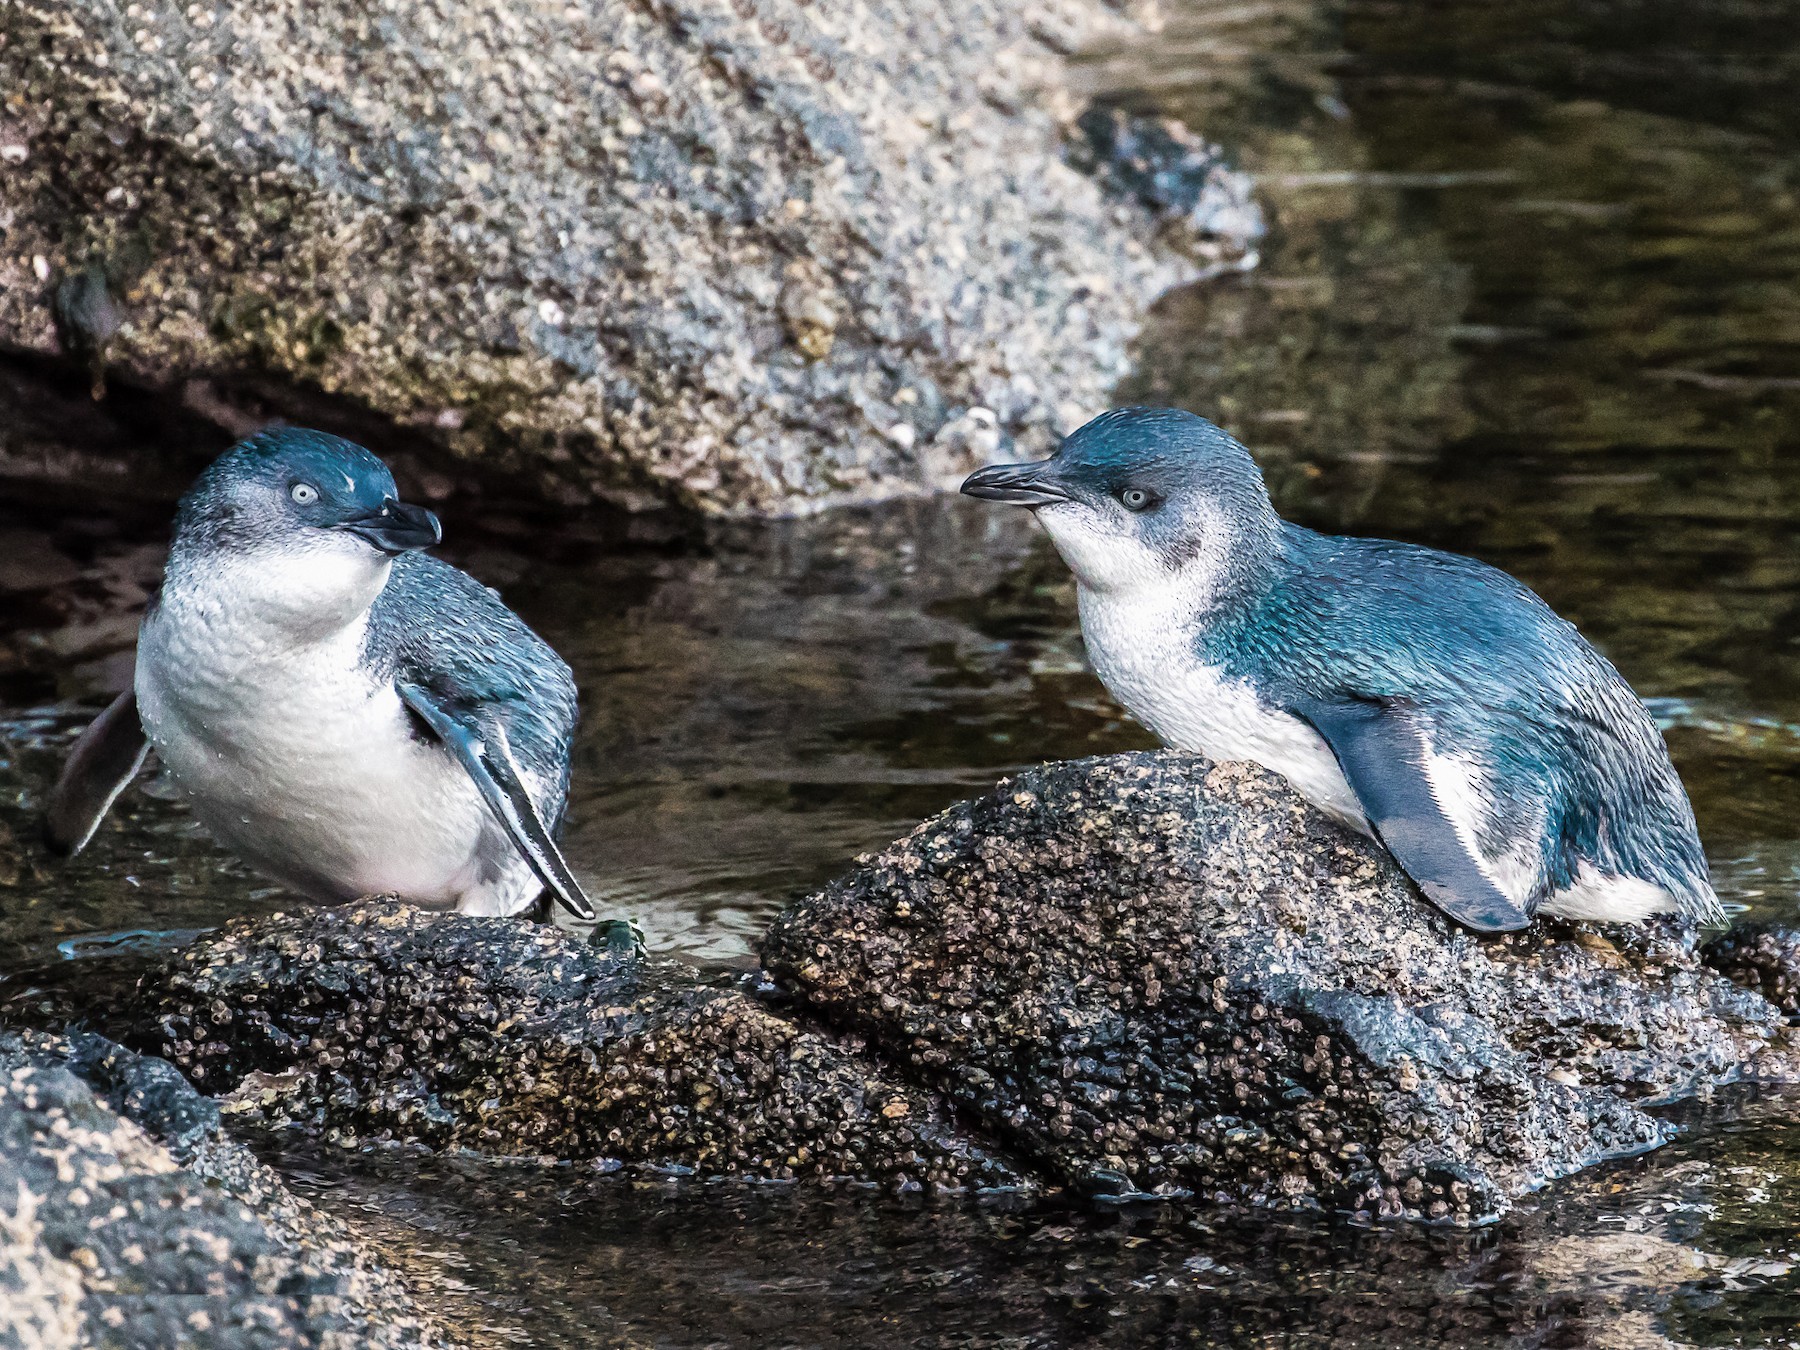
(346, 713)
(1423, 698)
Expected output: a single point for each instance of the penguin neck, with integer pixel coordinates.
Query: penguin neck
(1228, 571)
(277, 594)
(1152, 641)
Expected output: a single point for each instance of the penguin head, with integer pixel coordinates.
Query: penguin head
(1146, 497)
(291, 486)
(303, 524)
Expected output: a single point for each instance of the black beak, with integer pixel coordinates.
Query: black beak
(396, 527)
(1018, 484)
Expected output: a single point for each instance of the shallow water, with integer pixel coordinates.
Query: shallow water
(1609, 1259)
(1530, 294)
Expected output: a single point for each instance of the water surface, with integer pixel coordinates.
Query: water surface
(1530, 294)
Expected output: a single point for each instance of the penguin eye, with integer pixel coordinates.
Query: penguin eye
(304, 494)
(1137, 499)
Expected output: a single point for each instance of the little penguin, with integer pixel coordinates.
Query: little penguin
(344, 712)
(1425, 699)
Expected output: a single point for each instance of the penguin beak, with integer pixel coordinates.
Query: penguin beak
(396, 527)
(1018, 484)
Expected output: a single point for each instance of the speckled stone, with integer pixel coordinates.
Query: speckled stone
(1150, 973)
(1141, 974)
(749, 255)
(377, 1021)
(127, 1220)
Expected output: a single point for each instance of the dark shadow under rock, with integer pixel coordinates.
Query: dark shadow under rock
(126, 1219)
(377, 1021)
(1152, 973)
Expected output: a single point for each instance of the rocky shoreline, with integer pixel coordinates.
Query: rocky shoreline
(1153, 974)
(1145, 975)
(377, 1022)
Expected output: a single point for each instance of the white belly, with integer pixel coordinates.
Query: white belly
(1140, 651)
(307, 769)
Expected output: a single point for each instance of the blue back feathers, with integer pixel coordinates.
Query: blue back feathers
(1570, 753)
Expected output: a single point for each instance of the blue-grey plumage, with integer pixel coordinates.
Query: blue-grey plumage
(346, 713)
(1425, 698)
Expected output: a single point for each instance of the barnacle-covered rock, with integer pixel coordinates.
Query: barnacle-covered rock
(1763, 957)
(1141, 974)
(127, 1219)
(751, 256)
(1151, 973)
(378, 1021)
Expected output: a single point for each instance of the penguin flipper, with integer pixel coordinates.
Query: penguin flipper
(103, 760)
(480, 746)
(1382, 752)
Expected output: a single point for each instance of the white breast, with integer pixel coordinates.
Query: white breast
(298, 761)
(1139, 647)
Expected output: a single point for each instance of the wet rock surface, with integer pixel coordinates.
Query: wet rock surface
(381, 1022)
(749, 257)
(127, 1219)
(1764, 958)
(1146, 974)
(1183, 181)
(1152, 973)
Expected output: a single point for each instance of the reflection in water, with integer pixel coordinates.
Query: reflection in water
(1530, 294)
(808, 692)
(1637, 1256)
